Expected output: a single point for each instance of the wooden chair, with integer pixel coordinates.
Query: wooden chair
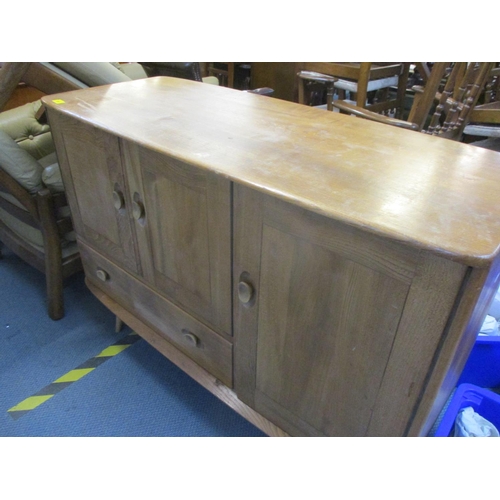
(369, 82)
(235, 75)
(35, 222)
(313, 83)
(485, 117)
(224, 72)
(443, 106)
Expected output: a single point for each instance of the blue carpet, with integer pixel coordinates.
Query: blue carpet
(135, 393)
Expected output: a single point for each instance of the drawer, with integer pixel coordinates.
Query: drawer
(194, 339)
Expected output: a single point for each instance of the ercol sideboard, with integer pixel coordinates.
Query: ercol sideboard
(321, 274)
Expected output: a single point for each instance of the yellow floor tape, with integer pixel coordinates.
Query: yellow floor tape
(72, 376)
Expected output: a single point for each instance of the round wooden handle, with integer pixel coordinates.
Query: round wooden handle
(102, 275)
(245, 292)
(137, 210)
(191, 337)
(118, 200)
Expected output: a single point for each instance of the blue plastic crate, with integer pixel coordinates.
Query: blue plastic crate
(483, 365)
(483, 401)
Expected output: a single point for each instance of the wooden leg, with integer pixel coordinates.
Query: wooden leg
(118, 325)
(329, 96)
(230, 75)
(402, 83)
(54, 278)
(53, 255)
(301, 95)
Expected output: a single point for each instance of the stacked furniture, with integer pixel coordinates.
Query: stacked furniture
(363, 79)
(322, 275)
(443, 106)
(484, 126)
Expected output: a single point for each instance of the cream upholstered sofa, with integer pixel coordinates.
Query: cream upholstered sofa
(35, 221)
(55, 77)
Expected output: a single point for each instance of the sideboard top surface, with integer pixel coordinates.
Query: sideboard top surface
(430, 192)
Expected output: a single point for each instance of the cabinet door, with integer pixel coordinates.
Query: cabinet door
(183, 228)
(335, 329)
(91, 166)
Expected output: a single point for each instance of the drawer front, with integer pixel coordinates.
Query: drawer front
(194, 339)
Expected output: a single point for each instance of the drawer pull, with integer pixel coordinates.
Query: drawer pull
(191, 338)
(118, 200)
(245, 292)
(137, 210)
(102, 275)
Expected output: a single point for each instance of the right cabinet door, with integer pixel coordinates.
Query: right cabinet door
(335, 328)
(182, 217)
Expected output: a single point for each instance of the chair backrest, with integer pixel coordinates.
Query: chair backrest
(491, 92)
(368, 81)
(443, 107)
(186, 70)
(311, 79)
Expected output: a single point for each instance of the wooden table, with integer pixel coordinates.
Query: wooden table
(321, 274)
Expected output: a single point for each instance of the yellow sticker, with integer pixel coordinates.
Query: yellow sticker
(58, 101)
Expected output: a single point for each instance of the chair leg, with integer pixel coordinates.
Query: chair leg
(329, 96)
(54, 278)
(402, 83)
(53, 255)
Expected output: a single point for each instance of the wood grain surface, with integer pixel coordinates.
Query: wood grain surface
(430, 192)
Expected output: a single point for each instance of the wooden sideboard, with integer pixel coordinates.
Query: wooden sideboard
(321, 274)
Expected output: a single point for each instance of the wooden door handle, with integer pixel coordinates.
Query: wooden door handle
(102, 275)
(245, 292)
(191, 338)
(137, 210)
(118, 199)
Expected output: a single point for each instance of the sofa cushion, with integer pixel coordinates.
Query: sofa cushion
(22, 126)
(133, 70)
(93, 73)
(48, 160)
(51, 178)
(34, 236)
(19, 164)
(25, 231)
(212, 80)
(29, 233)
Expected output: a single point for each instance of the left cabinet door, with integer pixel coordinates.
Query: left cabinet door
(91, 166)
